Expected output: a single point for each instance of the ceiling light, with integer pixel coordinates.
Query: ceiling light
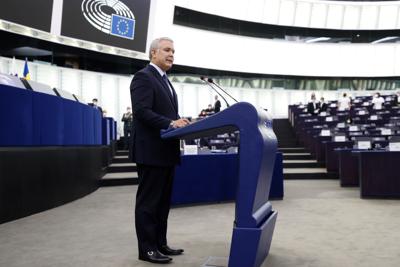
(319, 39)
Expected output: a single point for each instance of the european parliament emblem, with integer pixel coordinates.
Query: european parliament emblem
(122, 26)
(110, 16)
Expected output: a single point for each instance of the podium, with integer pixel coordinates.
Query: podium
(254, 218)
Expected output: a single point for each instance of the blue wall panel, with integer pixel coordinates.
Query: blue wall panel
(15, 116)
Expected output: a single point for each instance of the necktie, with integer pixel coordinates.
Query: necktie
(165, 79)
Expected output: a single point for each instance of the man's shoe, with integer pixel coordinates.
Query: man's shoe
(154, 257)
(166, 250)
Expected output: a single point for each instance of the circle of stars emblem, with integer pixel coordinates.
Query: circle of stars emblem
(125, 27)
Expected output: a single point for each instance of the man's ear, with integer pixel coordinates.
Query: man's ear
(152, 52)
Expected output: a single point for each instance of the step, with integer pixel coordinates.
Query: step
(301, 163)
(121, 178)
(308, 173)
(122, 153)
(121, 159)
(122, 167)
(287, 150)
(297, 156)
(287, 144)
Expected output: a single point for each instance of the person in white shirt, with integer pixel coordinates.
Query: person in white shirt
(377, 101)
(344, 102)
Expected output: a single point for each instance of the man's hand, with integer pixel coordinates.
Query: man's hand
(180, 123)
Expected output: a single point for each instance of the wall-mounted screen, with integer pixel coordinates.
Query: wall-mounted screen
(35, 14)
(120, 23)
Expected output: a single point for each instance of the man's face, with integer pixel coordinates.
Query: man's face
(164, 55)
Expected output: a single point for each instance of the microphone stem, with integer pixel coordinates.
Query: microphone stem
(224, 91)
(223, 98)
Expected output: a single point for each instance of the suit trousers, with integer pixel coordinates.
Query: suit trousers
(153, 201)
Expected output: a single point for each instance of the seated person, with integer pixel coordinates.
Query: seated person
(95, 105)
(203, 113)
(209, 110)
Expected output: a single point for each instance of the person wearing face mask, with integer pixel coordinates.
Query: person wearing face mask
(127, 119)
(155, 105)
(377, 101)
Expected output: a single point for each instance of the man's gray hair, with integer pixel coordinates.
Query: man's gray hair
(155, 44)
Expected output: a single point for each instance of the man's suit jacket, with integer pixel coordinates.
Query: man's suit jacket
(217, 106)
(323, 107)
(154, 108)
(310, 107)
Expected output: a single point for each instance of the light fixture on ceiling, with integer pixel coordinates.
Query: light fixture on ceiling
(382, 40)
(319, 39)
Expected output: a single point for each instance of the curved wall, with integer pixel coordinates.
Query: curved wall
(374, 15)
(200, 48)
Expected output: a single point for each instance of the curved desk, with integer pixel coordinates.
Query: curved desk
(207, 178)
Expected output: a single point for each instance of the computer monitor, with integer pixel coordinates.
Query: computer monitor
(41, 88)
(11, 80)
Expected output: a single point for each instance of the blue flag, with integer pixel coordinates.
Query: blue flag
(122, 27)
(27, 75)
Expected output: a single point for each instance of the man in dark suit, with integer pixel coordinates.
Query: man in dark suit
(127, 119)
(323, 107)
(313, 105)
(155, 107)
(217, 105)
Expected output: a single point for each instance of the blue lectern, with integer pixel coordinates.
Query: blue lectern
(254, 218)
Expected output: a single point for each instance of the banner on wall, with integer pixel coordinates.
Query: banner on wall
(34, 14)
(120, 23)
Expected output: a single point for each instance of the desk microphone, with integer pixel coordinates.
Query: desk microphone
(204, 79)
(210, 80)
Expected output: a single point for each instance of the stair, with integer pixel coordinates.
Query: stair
(298, 163)
(121, 171)
(285, 133)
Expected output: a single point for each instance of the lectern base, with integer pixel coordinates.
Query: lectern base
(250, 246)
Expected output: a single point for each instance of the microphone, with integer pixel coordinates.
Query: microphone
(204, 79)
(210, 80)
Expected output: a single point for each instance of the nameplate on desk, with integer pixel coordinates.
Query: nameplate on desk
(339, 138)
(395, 146)
(373, 118)
(341, 125)
(333, 105)
(366, 104)
(329, 119)
(362, 112)
(190, 150)
(325, 133)
(218, 151)
(386, 131)
(322, 114)
(353, 128)
(363, 144)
